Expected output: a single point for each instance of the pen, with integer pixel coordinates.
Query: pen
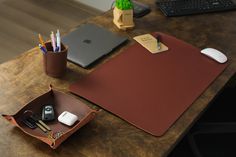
(158, 42)
(41, 41)
(57, 49)
(58, 41)
(43, 49)
(53, 41)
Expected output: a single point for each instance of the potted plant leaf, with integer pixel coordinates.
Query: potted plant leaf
(123, 14)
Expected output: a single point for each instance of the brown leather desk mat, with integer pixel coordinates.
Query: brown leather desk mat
(150, 91)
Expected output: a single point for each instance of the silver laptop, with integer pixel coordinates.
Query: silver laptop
(89, 42)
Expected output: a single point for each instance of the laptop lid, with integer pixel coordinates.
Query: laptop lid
(89, 42)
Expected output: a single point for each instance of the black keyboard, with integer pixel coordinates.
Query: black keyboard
(188, 7)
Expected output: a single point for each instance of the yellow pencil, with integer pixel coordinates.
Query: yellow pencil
(41, 41)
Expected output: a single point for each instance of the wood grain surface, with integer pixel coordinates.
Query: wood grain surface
(23, 79)
(21, 21)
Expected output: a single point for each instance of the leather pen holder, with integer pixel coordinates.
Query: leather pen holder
(55, 62)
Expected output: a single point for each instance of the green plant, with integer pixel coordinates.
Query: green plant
(124, 4)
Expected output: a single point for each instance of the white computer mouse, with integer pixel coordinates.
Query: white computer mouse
(214, 54)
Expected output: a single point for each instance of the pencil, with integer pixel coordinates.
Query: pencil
(41, 41)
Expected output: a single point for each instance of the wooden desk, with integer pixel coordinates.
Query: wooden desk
(22, 79)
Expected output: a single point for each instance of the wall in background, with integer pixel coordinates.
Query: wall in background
(102, 5)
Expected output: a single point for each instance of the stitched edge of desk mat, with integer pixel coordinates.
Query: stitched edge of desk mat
(150, 91)
(61, 102)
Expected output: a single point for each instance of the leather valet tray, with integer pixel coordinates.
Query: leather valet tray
(61, 102)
